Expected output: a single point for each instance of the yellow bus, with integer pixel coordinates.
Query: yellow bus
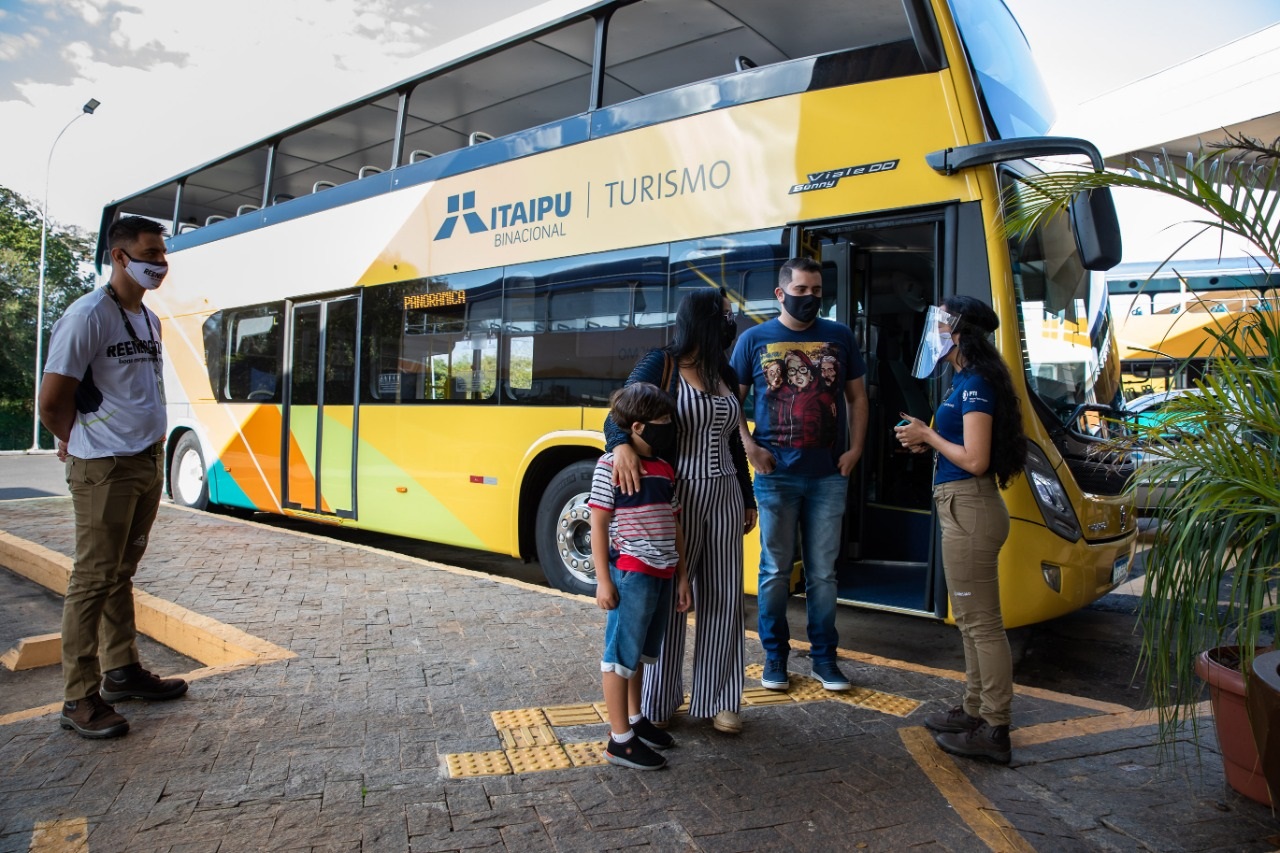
(1170, 316)
(407, 315)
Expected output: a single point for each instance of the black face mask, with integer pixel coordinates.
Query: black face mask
(728, 333)
(803, 308)
(659, 437)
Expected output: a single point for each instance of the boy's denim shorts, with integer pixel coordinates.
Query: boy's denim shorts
(633, 630)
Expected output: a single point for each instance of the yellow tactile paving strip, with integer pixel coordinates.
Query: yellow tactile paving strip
(530, 744)
(806, 689)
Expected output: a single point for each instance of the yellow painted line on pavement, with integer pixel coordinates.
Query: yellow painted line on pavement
(222, 647)
(70, 835)
(1085, 726)
(979, 813)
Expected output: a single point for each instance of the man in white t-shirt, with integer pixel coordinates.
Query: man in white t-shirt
(102, 397)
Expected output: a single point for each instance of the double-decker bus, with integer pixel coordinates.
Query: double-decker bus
(407, 315)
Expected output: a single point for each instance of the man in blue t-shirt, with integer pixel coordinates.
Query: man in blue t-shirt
(811, 423)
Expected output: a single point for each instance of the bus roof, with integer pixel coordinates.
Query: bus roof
(539, 80)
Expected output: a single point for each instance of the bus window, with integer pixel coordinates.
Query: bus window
(336, 150)
(253, 354)
(578, 325)
(521, 86)
(1065, 321)
(433, 340)
(745, 265)
(224, 190)
(662, 44)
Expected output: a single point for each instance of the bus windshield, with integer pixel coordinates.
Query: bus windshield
(1065, 319)
(1017, 103)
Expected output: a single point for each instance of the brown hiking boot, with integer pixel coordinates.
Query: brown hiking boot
(92, 718)
(986, 741)
(955, 720)
(134, 682)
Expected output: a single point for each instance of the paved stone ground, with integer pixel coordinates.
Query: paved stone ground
(29, 610)
(400, 663)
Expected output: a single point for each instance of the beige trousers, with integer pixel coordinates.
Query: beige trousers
(975, 524)
(115, 500)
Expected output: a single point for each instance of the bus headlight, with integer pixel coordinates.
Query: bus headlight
(1051, 497)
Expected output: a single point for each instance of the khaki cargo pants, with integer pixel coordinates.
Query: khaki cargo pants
(975, 524)
(115, 500)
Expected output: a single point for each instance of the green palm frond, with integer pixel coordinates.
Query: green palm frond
(1212, 571)
(1234, 185)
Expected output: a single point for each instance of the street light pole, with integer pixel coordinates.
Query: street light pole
(91, 105)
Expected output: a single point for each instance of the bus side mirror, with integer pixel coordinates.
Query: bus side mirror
(1097, 228)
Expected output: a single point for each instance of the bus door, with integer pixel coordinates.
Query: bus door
(320, 407)
(879, 278)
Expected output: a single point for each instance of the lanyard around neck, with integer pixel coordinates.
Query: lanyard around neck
(154, 341)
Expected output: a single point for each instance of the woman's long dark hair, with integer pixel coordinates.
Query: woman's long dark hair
(699, 322)
(1008, 443)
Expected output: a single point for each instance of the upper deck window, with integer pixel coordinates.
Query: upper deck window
(660, 44)
(525, 85)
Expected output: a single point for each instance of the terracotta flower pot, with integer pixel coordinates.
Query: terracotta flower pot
(1231, 721)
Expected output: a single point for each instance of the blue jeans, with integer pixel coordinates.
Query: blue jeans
(814, 505)
(634, 629)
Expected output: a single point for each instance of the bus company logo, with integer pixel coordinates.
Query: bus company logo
(521, 221)
(828, 179)
(461, 205)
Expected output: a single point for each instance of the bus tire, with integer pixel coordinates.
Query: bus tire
(187, 484)
(563, 530)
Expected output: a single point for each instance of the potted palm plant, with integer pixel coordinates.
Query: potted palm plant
(1208, 600)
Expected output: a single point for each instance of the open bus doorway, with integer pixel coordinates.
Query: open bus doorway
(880, 278)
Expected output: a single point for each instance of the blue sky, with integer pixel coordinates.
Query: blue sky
(182, 81)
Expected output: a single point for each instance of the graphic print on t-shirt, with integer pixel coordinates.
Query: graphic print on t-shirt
(801, 382)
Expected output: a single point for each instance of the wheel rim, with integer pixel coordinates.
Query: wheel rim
(573, 539)
(190, 477)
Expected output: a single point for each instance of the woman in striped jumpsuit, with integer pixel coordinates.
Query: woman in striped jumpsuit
(717, 510)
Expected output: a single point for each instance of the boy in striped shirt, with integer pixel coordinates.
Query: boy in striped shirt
(638, 537)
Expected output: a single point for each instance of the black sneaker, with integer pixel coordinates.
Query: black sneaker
(652, 736)
(134, 682)
(955, 720)
(989, 742)
(633, 754)
(775, 676)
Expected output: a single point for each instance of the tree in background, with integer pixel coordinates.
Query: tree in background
(68, 274)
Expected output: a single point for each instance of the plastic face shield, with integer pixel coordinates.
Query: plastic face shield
(935, 343)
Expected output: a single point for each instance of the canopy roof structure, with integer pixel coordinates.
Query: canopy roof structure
(1233, 88)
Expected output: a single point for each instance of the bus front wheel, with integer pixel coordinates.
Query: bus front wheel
(564, 530)
(187, 484)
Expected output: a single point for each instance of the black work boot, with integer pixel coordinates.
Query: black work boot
(92, 718)
(134, 682)
(986, 741)
(955, 720)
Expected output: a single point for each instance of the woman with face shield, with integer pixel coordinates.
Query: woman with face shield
(977, 434)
